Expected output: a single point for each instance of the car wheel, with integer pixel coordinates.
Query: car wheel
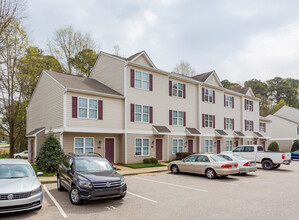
(267, 165)
(59, 186)
(175, 169)
(18, 157)
(276, 166)
(74, 196)
(210, 173)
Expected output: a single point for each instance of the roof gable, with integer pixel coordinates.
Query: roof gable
(289, 113)
(210, 78)
(143, 59)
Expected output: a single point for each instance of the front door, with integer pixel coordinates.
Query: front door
(31, 151)
(159, 149)
(264, 145)
(255, 142)
(109, 149)
(237, 143)
(190, 146)
(218, 146)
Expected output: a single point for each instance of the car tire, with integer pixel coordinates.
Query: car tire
(59, 186)
(210, 173)
(276, 166)
(175, 169)
(267, 165)
(74, 196)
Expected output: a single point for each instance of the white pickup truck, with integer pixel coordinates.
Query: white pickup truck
(269, 160)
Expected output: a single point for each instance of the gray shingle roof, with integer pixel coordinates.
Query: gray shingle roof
(243, 90)
(193, 130)
(203, 77)
(82, 83)
(221, 132)
(258, 134)
(35, 131)
(128, 58)
(239, 133)
(161, 129)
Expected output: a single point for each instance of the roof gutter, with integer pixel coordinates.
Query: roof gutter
(95, 93)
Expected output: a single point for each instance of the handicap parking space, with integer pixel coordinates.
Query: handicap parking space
(261, 194)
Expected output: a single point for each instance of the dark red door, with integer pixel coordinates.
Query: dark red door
(255, 142)
(237, 143)
(159, 149)
(109, 149)
(264, 145)
(190, 146)
(31, 151)
(218, 146)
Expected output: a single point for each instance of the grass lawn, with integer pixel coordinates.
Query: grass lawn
(44, 173)
(2, 156)
(142, 165)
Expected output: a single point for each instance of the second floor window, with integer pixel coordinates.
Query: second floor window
(88, 108)
(229, 101)
(248, 125)
(248, 105)
(262, 127)
(141, 80)
(177, 118)
(209, 95)
(209, 121)
(229, 123)
(177, 89)
(141, 113)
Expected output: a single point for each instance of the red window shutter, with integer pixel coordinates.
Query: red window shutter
(265, 128)
(151, 114)
(252, 126)
(170, 88)
(252, 105)
(184, 118)
(213, 121)
(224, 123)
(233, 124)
(203, 94)
(203, 120)
(213, 96)
(132, 112)
(100, 110)
(74, 107)
(245, 125)
(245, 104)
(151, 82)
(233, 102)
(170, 117)
(132, 78)
(224, 100)
(184, 91)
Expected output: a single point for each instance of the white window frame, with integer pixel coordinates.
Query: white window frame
(84, 141)
(178, 148)
(249, 126)
(249, 105)
(87, 108)
(142, 146)
(209, 121)
(175, 91)
(228, 145)
(142, 113)
(228, 123)
(179, 120)
(209, 144)
(249, 142)
(208, 95)
(142, 80)
(262, 127)
(228, 101)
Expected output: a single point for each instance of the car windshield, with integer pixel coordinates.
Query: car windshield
(218, 158)
(92, 165)
(10, 171)
(239, 158)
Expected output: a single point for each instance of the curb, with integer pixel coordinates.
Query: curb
(126, 174)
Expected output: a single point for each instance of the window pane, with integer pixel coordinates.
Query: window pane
(82, 112)
(79, 142)
(174, 121)
(181, 114)
(138, 151)
(92, 113)
(138, 142)
(180, 93)
(138, 75)
(145, 109)
(138, 108)
(146, 85)
(83, 102)
(138, 117)
(180, 86)
(145, 118)
(175, 142)
(93, 103)
(145, 151)
(79, 150)
(138, 84)
(89, 142)
(175, 114)
(146, 77)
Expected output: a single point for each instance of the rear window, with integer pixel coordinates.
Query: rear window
(218, 158)
(260, 148)
(226, 157)
(239, 158)
(239, 149)
(249, 149)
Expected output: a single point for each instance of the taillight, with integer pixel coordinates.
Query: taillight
(283, 156)
(246, 164)
(236, 165)
(226, 166)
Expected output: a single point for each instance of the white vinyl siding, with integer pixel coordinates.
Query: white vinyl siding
(83, 145)
(141, 80)
(177, 145)
(88, 108)
(142, 147)
(208, 146)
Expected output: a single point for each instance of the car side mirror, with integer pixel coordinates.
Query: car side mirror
(68, 170)
(39, 173)
(114, 167)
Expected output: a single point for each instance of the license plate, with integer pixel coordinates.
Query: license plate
(252, 164)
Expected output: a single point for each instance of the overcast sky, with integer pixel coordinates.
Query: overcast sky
(238, 39)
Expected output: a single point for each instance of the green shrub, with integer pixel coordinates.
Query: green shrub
(295, 146)
(273, 147)
(182, 155)
(4, 156)
(50, 155)
(150, 160)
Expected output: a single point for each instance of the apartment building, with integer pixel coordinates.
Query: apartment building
(128, 110)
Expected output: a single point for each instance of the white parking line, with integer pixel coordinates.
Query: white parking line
(232, 184)
(55, 202)
(133, 194)
(170, 184)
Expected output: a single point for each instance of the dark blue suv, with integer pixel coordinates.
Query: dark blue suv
(89, 176)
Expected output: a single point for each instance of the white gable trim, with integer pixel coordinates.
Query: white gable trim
(146, 57)
(217, 78)
(250, 93)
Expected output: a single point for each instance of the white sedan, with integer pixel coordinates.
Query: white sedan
(245, 165)
(22, 155)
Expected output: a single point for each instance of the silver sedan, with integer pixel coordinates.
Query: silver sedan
(245, 165)
(210, 165)
(20, 188)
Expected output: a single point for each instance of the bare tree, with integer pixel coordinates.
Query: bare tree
(116, 50)
(184, 68)
(66, 43)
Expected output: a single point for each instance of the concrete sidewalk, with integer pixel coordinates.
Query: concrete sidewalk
(125, 171)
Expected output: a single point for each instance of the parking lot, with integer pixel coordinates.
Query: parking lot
(260, 195)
